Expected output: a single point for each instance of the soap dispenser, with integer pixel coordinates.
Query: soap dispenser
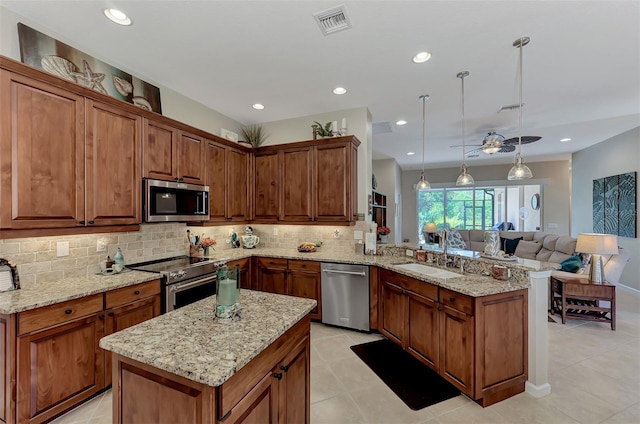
(119, 258)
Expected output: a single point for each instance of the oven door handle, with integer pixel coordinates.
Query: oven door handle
(184, 286)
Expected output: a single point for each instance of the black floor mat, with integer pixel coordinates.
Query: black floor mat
(413, 382)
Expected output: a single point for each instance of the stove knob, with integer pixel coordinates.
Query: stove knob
(173, 275)
(182, 273)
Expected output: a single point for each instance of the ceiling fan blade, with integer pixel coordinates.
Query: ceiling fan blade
(526, 139)
(467, 145)
(473, 151)
(507, 149)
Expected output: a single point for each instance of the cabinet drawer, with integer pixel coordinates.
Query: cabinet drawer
(130, 294)
(422, 288)
(272, 263)
(458, 301)
(244, 263)
(48, 316)
(301, 265)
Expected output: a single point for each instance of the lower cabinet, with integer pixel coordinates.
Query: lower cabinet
(245, 272)
(478, 344)
(300, 278)
(54, 350)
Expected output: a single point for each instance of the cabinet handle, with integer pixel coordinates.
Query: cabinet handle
(68, 311)
(180, 179)
(91, 222)
(137, 292)
(278, 375)
(439, 308)
(101, 316)
(452, 299)
(111, 314)
(175, 178)
(81, 222)
(284, 368)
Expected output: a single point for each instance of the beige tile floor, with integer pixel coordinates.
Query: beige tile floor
(594, 375)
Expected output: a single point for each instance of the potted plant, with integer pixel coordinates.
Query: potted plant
(320, 130)
(383, 232)
(254, 134)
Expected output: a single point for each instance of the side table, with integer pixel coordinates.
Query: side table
(580, 299)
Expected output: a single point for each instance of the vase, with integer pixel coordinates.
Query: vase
(384, 238)
(206, 251)
(491, 243)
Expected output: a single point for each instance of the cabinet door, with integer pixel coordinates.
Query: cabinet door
(333, 194)
(297, 174)
(58, 368)
(237, 185)
(456, 349)
(41, 155)
(294, 393)
(118, 319)
(245, 272)
(216, 165)
(306, 284)
(393, 311)
(159, 151)
(272, 280)
(422, 331)
(259, 406)
(267, 186)
(113, 163)
(191, 150)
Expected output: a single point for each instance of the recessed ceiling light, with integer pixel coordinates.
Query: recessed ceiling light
(117, 16)
(410, 153)
(257, 106)
(421, 57)
(564, 140)
(339, 90)
(401, 122)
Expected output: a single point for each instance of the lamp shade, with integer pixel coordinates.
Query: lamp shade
(599, 244)
(430, 227)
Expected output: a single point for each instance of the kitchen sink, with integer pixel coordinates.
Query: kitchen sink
(428, 270)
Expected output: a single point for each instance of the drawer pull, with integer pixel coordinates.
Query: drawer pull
(452, 299)
(68, 311)
(284, 368)
(278, 375)
(81, 222)
(91, 222)
(137, 292)
(111, 314)
(101, 316)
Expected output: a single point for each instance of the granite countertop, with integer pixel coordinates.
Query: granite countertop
(189, 343)
(43, 294)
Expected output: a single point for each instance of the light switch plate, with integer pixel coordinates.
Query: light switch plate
(62, 248)
(551, 225)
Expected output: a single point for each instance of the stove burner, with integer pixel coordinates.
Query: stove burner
(178, 268)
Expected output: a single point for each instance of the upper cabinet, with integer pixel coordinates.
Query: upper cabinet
(314, 181)
(227, 175)
(171, 154)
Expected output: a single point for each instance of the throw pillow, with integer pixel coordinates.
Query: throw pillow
(455, 240)
(509, 245)
(571, 264)
(527, 249)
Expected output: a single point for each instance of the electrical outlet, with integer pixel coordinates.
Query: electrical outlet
(409, 252)
(101, 245)
(275, 231)
(62, 248)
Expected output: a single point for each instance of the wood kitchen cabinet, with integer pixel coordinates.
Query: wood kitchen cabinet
(272, 275)
(335, 194)
(292, 374)
(227, 175)
(303, 280)
(245, 272)
(41, 154)
(297, 184)
(173, 154)
(267, 185)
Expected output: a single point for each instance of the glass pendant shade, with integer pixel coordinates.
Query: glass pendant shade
(464, 178)
(519, 171)
(423, 184)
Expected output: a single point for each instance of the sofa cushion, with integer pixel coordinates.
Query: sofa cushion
(526, 235)
(549, 242)
(558, 257)
(566, 244)
(527, 249)
(509, 245)
(455, 240)
(544, 255)
(571, 264)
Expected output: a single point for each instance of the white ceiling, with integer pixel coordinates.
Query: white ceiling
(581, 68)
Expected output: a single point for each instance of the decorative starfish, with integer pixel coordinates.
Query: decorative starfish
(89, 79)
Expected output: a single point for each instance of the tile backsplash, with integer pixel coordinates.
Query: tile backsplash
(38, 262)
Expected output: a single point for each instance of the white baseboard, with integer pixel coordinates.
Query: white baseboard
(537, 391)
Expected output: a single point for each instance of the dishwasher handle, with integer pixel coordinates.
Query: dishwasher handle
(335, 271)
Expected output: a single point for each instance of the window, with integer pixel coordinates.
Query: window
(479, 208)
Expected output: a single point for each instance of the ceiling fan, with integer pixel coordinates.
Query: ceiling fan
(496, 143)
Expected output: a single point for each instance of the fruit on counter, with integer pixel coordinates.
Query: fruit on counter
(307, 246)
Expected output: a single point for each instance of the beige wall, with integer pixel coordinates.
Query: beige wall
(358, 124)
(617, 155)
(389, 178)
(554, 176)
(174, 105)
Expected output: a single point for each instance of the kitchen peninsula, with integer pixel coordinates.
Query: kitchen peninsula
(186, 367)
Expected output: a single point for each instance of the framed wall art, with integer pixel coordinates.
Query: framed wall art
(615, 205)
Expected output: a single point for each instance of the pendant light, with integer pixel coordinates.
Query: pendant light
(520, 171)
(464, 178)
(423, 184)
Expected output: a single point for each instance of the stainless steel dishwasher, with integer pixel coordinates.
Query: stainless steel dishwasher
(345, 295)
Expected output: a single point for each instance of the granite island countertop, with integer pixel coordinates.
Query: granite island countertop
(188, 342)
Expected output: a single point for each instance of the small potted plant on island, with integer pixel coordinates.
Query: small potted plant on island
(383, 233)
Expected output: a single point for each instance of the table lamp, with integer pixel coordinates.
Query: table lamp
(597, 245)
(429, 229)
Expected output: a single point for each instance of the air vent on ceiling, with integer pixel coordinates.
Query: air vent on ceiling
(381, 127)
(509, 107)
(333, 20)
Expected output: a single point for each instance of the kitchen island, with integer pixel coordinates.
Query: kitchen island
(186, 367)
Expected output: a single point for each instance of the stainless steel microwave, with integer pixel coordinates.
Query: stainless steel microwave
(166, 201)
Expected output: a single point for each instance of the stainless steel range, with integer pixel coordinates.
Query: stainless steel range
(184, 280)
